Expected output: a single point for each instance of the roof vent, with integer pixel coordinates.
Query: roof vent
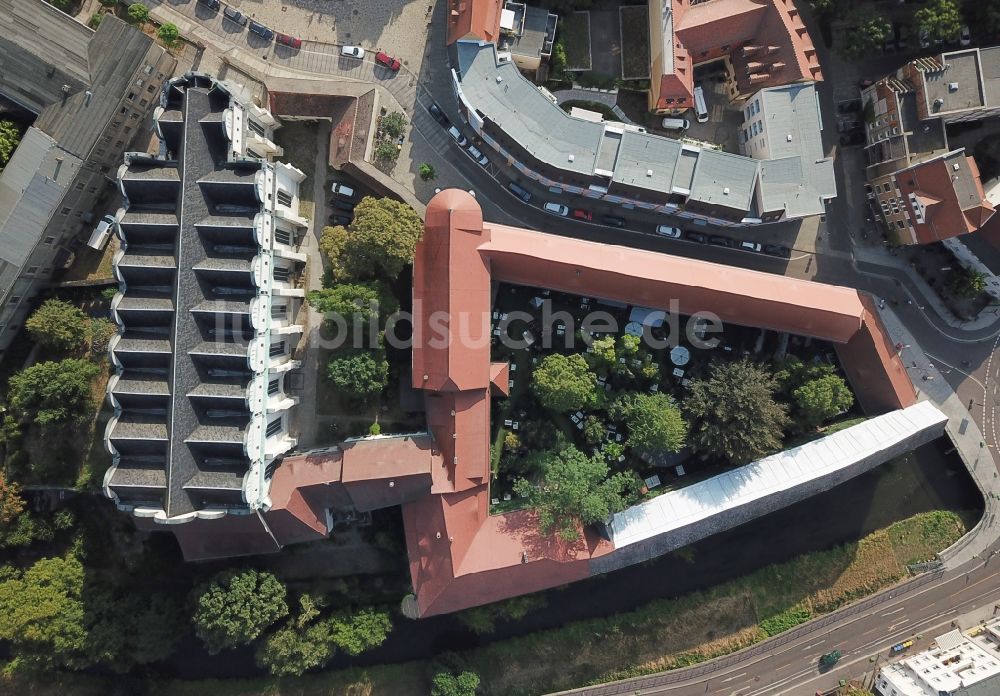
(955, 166)
(572, 158)
(392, 484)
(438, 535)
(788, 137)
(86, 97)
(499, 79)
(952, 86)
(725, 191)
(649, 172)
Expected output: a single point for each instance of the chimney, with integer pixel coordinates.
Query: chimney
(758, 78)
(773, 49)
(776, 67)
(754, 67)
(750, 50)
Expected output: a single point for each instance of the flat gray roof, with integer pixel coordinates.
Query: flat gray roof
(957, 86)
(532, 39)
(647, 161)
(989, 64)
(724, 179)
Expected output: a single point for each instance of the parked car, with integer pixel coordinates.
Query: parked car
(777, 250)
(353, 52)
(342, 220)
(211, 4)
(383, 58)
(234, 15)
(720, 241)
(675, 123)
(696, 237)
(342, 190)
(613, 221)
(287, 40)
(556, 209)
(457, 135)
(435, 111)
(668, 231)
(261, 31)
(965, 37)
(519, 192)
(581, 214)
(750, 246)
(477, 155)
(341, 204)
(102, 233)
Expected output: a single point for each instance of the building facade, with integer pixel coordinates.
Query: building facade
(209, 290)
(91, 92)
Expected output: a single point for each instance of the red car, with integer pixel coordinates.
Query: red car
(383, 58)
(289, 41)
(583, 215)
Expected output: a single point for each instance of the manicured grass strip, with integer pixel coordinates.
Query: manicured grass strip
(574, 32)
(635, 42)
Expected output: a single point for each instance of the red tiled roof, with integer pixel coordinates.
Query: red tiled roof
(473, 18)
(500, 377)
(932, 183)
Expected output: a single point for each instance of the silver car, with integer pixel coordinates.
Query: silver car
(353, 52)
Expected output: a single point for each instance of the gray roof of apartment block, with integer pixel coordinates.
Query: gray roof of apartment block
(799, 175)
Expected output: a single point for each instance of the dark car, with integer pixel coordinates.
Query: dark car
(435, 111)
(720, 241)
(777, 250)
(210, 4)
(342, 220)
(234, 15)
(581, 214)
(290, 41)
(613, 221)
(341, 204)
(519, 192)
(261, 31)
(383, 58)
(696, 237)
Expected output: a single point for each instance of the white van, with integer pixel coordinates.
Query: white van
(102, 233)
(676, 123)
(699, 105)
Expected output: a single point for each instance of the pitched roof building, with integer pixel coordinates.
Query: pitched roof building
(763, 42)
(90, 91)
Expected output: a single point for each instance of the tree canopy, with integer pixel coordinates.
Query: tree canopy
(138, 13)
(10, 136)
(365, 302)
(383, 238)
(574, 489)
(564, 382)
(168, 33)
(654, 421)
(356, 632)
(821, 399)
(359, 374)
(868, 33)
(940, 19)
(732, 412)
(236, 606)
(448, 684)
(59, 325)
(54, 392)
(966, 283)
(11, 502)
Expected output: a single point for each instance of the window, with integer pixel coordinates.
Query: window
(284, 198)
(277, 349)
(283, 237)
(274, 427)
(124, 110)
(64, 211)
(273, 387)
(50, 240)
(119, 143)
(133, 116)
(32, 270)
(279, 311)
(131, 96)
(151, 89)
(281, 273)
(79, 186)
(92, 189)
(14, 300)
(900, 224)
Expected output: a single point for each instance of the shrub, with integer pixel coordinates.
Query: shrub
(427, 172)
(138, 13)
(168, 33)
(386, 152)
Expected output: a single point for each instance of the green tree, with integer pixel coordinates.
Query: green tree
(235, 607)
(359, 374)
(868, 33)
(101, 331)
(331, 245)
(821, 399)
(448, 684)
(42, 615)
(940, 19)
(393, 124)
(348, 300)
(386, 152)
(602, 352)
(564, 382)
(732, 412)
(61, 4)
(654, 422)
(129, 629)
(54, 392)
(59, 325)
(290, 651)
(10, 136)
(966, 283)
(168, 33)
(593, 430)
(383, 238)
(557, 61)
(138, 13)
(574, 489)
(359, 631)
(427, 172)
(11, 502)
(985, 16)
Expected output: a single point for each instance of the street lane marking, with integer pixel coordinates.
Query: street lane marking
(813, 645)
(894, 611)
(735, 676)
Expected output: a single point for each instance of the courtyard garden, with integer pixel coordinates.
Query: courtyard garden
(635, 42)
(609, 404)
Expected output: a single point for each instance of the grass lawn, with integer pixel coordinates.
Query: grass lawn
(298, 140)
(91, 264)
(666, 634)
(635, 42)
(574, 32)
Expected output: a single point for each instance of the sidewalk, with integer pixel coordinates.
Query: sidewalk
(964, 433)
